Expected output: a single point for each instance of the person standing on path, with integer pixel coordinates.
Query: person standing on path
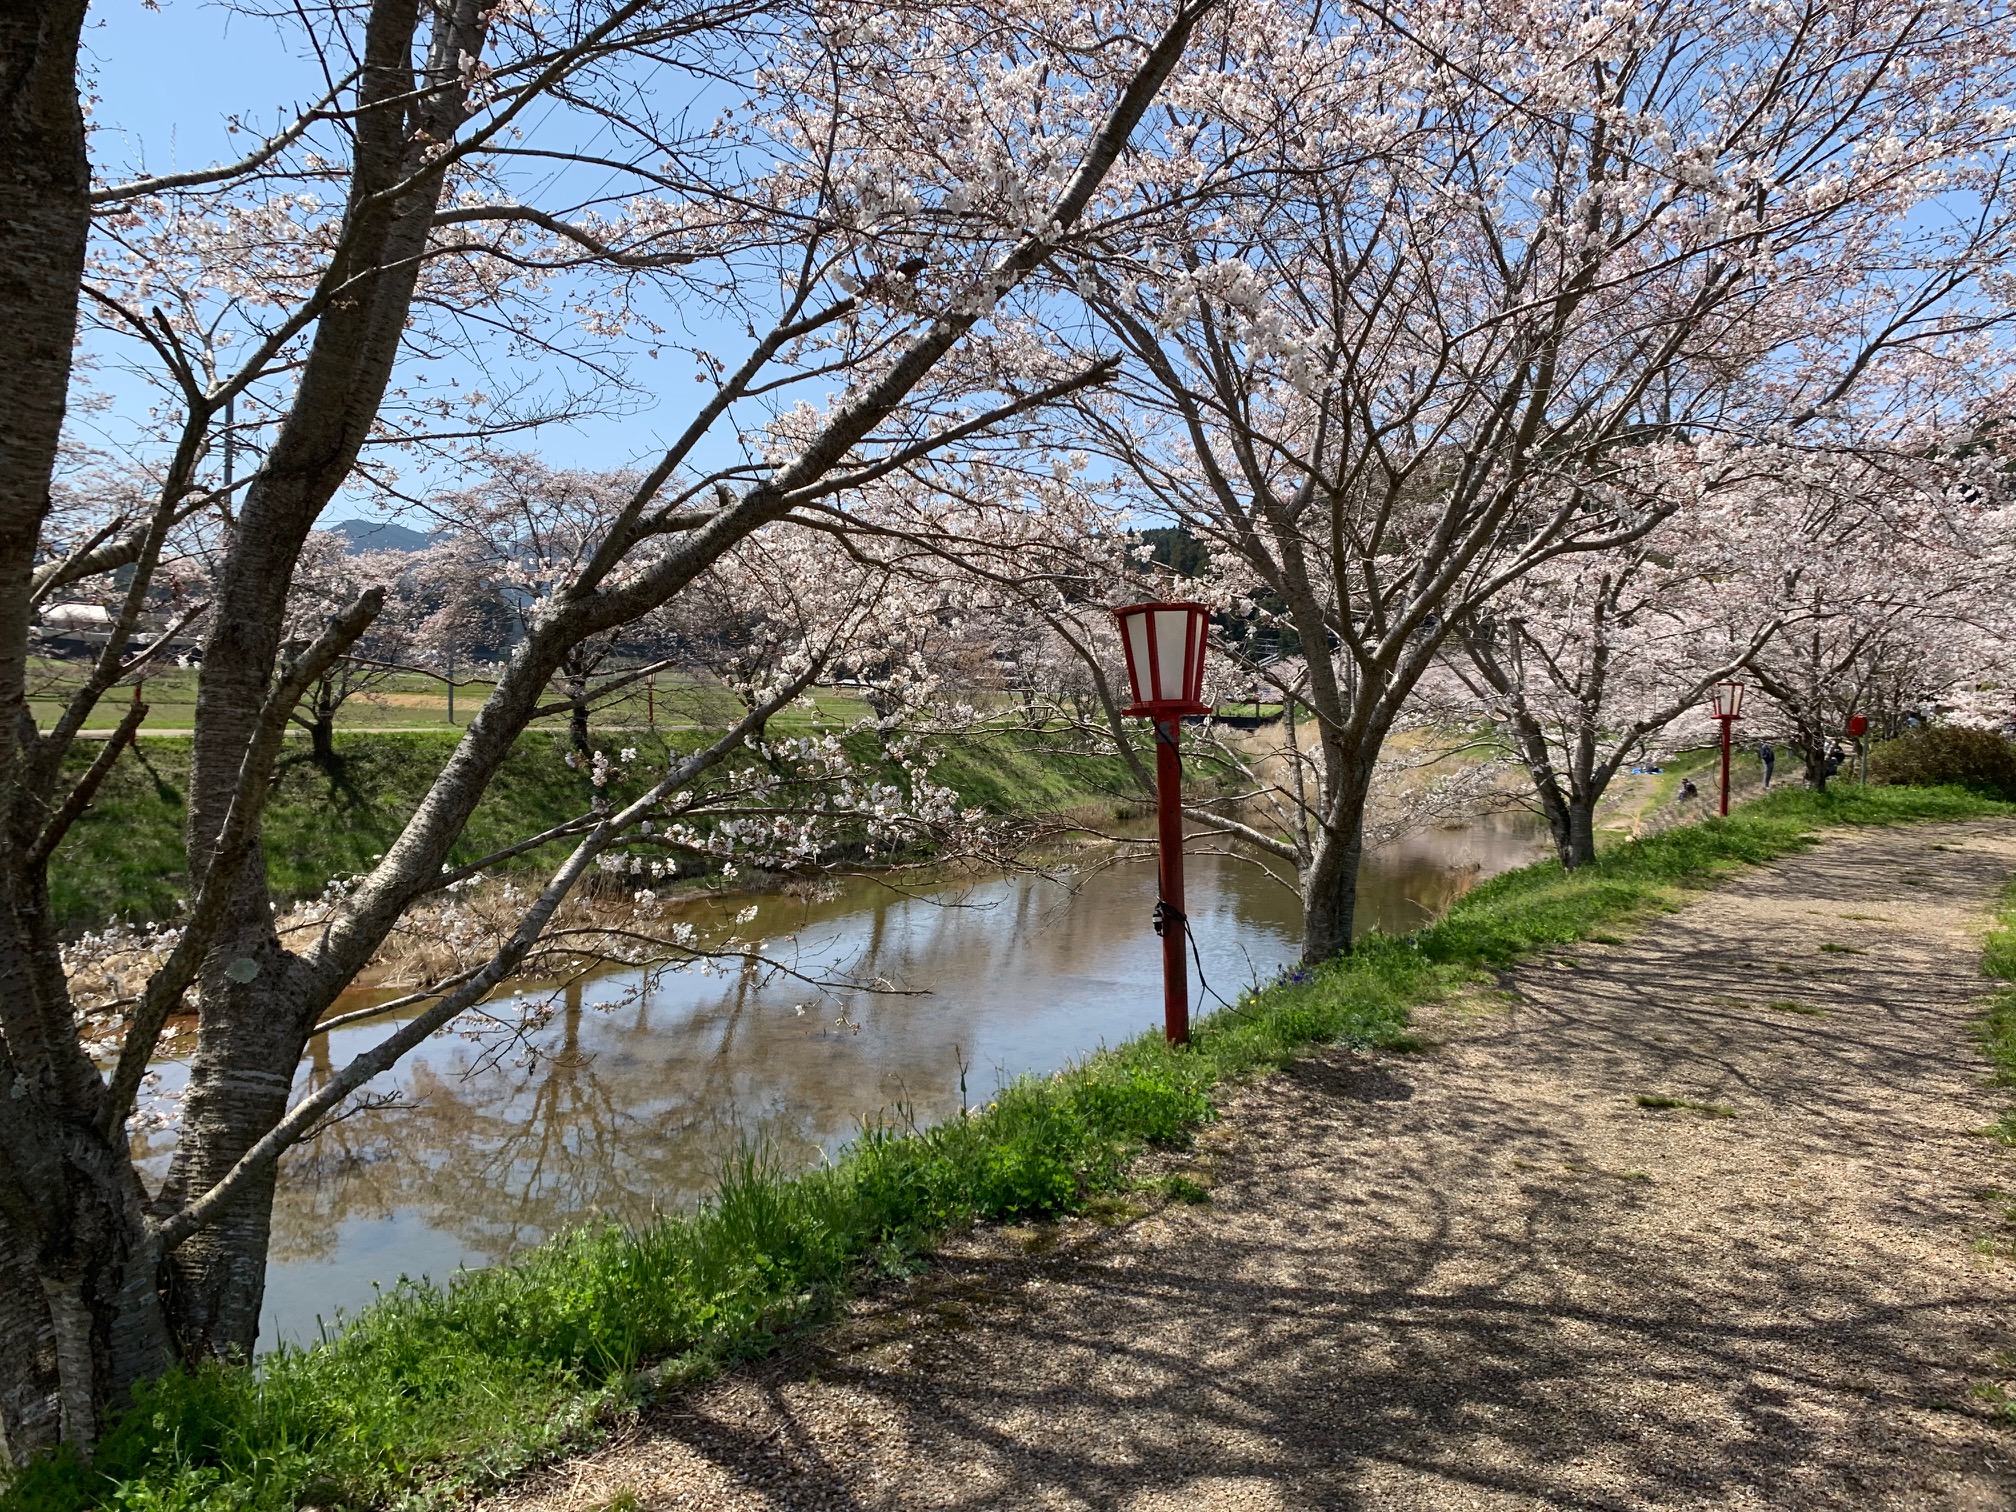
(1769, 757)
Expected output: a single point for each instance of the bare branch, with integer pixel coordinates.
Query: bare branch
(258, 157)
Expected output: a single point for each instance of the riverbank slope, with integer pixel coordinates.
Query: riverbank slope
(124, 859)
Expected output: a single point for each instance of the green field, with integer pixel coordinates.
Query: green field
(413, 701)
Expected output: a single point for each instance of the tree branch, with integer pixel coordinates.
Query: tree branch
(234, 842)
(264, 153)
(80, 796)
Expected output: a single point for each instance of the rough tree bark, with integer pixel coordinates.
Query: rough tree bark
(1330, 883)
(67, 1219)
(254, 1016)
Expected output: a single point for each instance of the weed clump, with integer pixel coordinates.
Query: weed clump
(1660, 1104)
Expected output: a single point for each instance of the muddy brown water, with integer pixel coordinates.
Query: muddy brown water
(638, 1091)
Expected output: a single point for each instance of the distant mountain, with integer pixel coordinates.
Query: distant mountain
(380, 535)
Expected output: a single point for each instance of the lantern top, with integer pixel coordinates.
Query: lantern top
(1729, 700)
(1164, 643)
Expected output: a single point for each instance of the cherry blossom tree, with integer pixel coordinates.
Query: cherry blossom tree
(1889, 572)
(881, 183)
(1588, 661)
(1493, 254)
(329, 577)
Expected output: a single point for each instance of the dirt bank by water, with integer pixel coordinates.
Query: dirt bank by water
(1701, 1219)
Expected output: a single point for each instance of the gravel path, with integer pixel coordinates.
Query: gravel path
(1489, 1276)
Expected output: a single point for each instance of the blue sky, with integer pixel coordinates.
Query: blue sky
(168, 78)
(166, 82)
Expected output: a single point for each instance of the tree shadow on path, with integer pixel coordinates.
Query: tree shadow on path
(1488, 1277)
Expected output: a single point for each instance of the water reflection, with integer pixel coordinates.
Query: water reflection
(638, 1093)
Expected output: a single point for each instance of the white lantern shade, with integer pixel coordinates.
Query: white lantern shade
(1165, 656)
(1729, 700)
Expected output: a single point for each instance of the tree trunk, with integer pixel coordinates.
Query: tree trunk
(1581, 848)
(1814, 748)
(45, 216)
(239, 1082)
(322, 737)
(1555, 809)
(30, 1413)
(80, 1314)
(78, 1297)
(1330, 880)
(104, 1306)
(1330, 895)
(254, 1014)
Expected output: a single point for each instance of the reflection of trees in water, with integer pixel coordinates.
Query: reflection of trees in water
(1418, 878)
(632, 1108)
(620, 1115)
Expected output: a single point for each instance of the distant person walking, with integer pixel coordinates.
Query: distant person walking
(1770, 759)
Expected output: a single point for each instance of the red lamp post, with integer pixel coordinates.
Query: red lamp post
(1165, 668)
(1728, 709)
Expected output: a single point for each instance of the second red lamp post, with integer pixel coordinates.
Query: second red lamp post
(1728, 709)
(1164, 644)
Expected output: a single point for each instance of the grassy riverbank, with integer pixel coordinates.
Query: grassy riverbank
(431, 1394)
(124, 859)
(1998, 1038)
(418, 700)
(1998, 960)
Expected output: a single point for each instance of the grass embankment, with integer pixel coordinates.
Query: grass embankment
(432, 1393)
(1998, 960)
(124, 859)
(1998, 1038)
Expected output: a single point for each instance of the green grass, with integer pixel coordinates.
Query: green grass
(1998, 960)
(1998, 1038)
(1789, 1005)
(124, 858)
(404, 700)
(1660, 1103)
(434, 1393)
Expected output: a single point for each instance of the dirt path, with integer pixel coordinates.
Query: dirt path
(1487, 1277)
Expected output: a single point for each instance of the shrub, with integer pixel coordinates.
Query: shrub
(1943, 754)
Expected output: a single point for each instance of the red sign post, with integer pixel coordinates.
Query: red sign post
(1164, 643)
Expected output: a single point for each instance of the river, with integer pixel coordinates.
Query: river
(639, 1090)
